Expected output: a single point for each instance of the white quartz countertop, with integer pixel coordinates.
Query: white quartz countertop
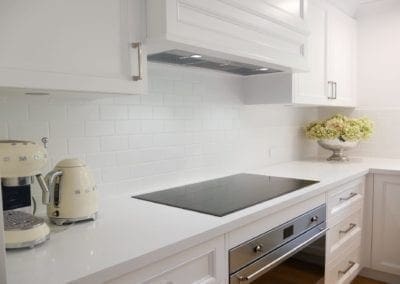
(131, 233)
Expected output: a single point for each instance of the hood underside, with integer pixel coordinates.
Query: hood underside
(185, 58)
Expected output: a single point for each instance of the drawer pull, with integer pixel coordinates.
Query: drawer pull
(351, 227)
(348, 197)
(343, 272)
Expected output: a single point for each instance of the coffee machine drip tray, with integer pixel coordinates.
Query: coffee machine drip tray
(24, 230)
(226, 195)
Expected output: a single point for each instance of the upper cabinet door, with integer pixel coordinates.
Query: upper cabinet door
(341, 58)
(81, 45)
(310, 87)
(273, 32)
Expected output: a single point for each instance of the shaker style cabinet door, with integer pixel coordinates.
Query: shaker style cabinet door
(341, 58)
(309, 87)
(83, 46)
(386, 224)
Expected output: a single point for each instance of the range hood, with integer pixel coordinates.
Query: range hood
(190, 59)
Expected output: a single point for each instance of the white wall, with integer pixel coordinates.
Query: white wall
(378, 77)
(379, 54)
(192, 126)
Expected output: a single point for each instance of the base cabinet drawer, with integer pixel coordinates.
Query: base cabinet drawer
(343, 269)
(203, 264)
(343, 234)
(343, 200)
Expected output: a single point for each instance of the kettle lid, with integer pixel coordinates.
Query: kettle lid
(71, 163)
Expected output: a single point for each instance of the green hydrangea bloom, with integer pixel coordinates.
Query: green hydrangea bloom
(340, 127)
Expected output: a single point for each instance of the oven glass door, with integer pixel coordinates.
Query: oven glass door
(301, 261)
(305, 267)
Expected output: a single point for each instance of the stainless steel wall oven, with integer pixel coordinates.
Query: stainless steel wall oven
(293, 252)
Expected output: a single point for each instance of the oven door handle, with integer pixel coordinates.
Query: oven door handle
(276, 261)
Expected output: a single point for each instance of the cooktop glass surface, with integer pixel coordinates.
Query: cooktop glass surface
(223, 196)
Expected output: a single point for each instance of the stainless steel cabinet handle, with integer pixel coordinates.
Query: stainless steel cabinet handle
(330, 90)
(335, 92)
(343, 272)
(138, 46)
(351, 227)
(281, 258)
(348, 197)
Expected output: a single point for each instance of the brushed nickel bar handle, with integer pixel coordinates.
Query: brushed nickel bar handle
(343, 272)
(330, 90)
(282, 257)
(349, 197)
(351, 227)
(138, 46)
(335, 86)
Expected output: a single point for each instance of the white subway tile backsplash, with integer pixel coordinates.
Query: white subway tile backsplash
(127, 100)
(83, 145)
(114, 143)
(50, 112)
(152, 100)
(128, 126)
(83, 112)
(174, 125)
(162, 112)
(140, 112)
(28, 130)
(191, 126)
(13, 111)
(101, 160)
(172, 99)
(67, 129)
(182, 88)
(141, 141)
(152, 126)
(116, 174)
(99, 128)
(113, 112)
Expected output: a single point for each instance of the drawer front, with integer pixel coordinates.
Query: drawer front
(346, 232)
(345, 199)
(343, 269)
(205, 263)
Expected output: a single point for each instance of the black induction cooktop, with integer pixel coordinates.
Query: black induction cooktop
(222, 196)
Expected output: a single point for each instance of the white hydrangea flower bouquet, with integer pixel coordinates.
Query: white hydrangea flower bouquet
(339, 133)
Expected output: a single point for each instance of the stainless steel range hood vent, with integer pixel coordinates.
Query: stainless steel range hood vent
(184, 58)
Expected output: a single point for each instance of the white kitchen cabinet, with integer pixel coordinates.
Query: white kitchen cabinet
(330, 80)
(341, 58)
(203, 264)
(385, 254)
(310, 87)
(271, 32)
(83, 46)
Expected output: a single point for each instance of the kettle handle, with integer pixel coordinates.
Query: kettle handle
(51, 181)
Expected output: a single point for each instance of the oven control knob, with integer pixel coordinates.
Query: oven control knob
(258, 248)
(314, 219)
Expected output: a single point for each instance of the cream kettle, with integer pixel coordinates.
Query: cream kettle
(73, 193)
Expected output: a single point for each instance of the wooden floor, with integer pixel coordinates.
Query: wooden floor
(297, 272)
(363, 280)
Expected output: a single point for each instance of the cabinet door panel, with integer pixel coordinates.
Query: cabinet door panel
(386, 224)
(82, 42)
(341, 36)
(205, 263)
(310, 87)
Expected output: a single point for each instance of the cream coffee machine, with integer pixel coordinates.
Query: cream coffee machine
(20, 165)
